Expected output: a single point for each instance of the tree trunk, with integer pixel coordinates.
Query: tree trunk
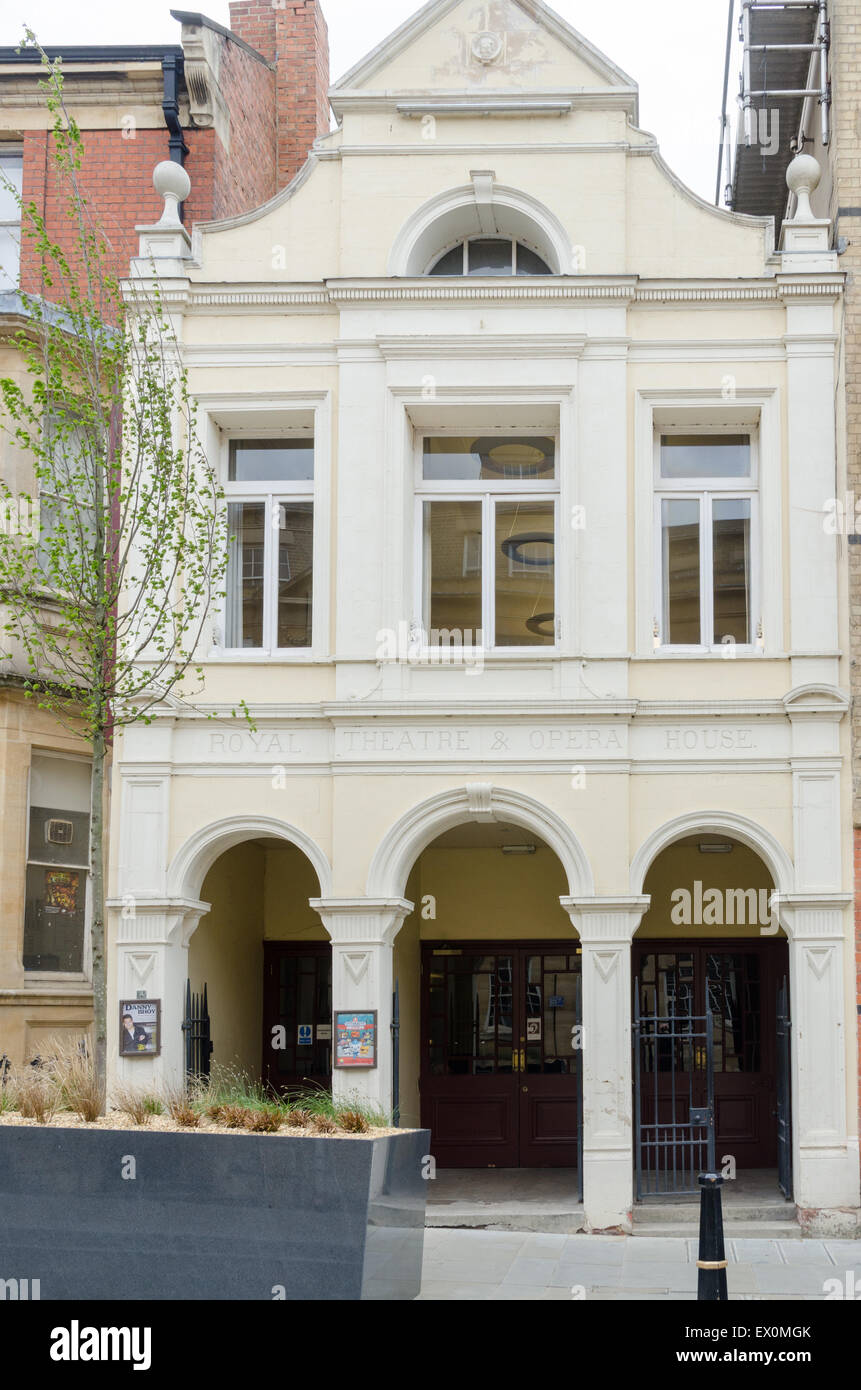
(97, 932)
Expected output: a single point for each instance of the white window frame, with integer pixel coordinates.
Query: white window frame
(486, 491)
(706, 490)
(16, 152)
(246, 417)
(35, 979)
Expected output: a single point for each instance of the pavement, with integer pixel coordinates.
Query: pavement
(470, 1265)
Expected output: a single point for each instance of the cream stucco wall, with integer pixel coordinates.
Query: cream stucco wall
(666, 311)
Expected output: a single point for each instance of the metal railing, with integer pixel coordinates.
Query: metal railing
(674, 1110)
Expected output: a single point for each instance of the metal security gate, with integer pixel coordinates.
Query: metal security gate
(674, 1108)
(783, 1111)
(195, 1028)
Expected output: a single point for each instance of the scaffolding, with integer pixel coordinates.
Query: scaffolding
(785, 68)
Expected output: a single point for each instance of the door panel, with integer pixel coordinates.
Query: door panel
(500, 1075)
(297, 991)
(468, 1072)
(550, 989)
(744, 1032)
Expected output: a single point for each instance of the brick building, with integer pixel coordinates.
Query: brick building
(240, 108)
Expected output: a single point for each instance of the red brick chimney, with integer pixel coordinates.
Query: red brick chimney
(293, 35)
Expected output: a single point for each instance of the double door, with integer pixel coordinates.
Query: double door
(501, 1054)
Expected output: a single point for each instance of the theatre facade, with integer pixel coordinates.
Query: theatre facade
(527, 453)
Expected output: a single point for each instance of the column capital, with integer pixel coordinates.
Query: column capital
(351, 920)
(811, 916)
(606, 919)
(156, 919)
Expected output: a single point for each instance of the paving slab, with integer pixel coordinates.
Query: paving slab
(523, 1271)
(485, 1265)
(646, 1249)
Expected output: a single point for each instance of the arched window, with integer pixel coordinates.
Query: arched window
(489, 256)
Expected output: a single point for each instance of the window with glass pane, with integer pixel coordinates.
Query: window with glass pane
(270, 577)
(11, 184)
(67, 524)
(705, 456)
(295, 573)
(505, 589)
(707, 529)
(271, 460)
(246, 573)
(680, 542)
(453, 571)
(494, 459)
(525, 586)
(731, 564)
(487, 257)
(490, 256)
(57, 860)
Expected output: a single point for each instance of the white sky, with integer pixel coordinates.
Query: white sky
(675, 51)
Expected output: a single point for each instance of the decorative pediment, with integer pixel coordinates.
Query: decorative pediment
(508, 48)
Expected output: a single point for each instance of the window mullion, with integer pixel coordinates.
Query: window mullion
(488, 580)
(270, 576)
(707, 567)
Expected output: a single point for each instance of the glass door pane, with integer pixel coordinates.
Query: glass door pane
(552, 1013)
(471, 1015)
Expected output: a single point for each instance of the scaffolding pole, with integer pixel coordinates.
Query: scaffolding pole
(819, 46)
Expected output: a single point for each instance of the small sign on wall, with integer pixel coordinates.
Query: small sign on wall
(533, 1030)
(324, 1032)
(305, 1035)
(356, 1038)
(140, 1027)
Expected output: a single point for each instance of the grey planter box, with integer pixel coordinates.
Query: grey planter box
(211, 1216)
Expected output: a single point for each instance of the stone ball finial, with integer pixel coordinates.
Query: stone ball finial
(173, 184)
(802, 178)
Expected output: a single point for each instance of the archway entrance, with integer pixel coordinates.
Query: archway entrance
(709, 967)
(497, 1060)
(501, 1079)
(265, 959)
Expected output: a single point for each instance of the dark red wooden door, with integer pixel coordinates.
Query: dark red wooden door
(550, 991)
(500, 1064)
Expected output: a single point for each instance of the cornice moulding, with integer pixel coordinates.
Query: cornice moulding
(626, 290)
(606, 711)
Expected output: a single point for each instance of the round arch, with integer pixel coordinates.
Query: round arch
(193, 861)
(415, 830)
(445, 218)
(761, 841)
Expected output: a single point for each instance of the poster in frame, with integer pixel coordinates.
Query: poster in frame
(140, 1027)
(356, 1038)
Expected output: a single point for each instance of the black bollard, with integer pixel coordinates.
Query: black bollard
(711, 1283)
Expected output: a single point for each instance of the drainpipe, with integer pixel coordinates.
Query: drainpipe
(171, 66)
